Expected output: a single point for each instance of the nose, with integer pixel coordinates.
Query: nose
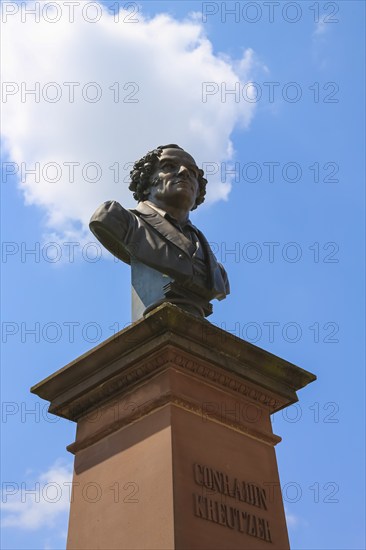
(183, 171)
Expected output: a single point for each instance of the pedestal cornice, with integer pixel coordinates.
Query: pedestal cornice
(169, 336)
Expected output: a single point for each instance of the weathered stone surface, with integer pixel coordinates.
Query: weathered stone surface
(174, 445)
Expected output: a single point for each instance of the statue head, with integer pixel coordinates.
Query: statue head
(143, 174)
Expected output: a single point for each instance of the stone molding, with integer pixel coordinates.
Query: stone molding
(170, 336)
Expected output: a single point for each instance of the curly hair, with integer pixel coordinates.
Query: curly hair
(144, 168)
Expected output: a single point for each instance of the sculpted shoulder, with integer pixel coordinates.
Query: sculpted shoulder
(111, 225)
(108, 208)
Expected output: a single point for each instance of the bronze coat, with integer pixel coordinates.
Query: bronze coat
(148, 237)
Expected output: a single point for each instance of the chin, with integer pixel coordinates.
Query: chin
(186, 192)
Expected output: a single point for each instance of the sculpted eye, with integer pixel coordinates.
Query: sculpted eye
(168, 166)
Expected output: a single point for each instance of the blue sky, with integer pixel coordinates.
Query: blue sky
(292, 216)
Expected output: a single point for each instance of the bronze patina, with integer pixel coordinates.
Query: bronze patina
(170, 258)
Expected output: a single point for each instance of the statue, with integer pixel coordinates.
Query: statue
(170, 258)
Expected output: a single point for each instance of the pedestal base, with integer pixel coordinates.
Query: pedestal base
(174, 445)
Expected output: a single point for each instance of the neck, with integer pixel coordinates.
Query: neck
(178, 213)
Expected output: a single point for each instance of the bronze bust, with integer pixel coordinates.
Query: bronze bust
(171, 259)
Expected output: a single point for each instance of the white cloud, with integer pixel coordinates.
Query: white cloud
(322, 30)
(294, 521)
(166, 63)
(324, 24)
(39, 503)
(320, 27)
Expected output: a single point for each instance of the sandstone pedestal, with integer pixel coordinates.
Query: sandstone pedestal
(174, 446)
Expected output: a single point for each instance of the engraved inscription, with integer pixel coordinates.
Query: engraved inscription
(228, 515)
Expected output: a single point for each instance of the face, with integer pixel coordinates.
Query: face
(176, 180)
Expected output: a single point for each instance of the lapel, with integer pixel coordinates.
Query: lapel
(165, 228)
(171, 234)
